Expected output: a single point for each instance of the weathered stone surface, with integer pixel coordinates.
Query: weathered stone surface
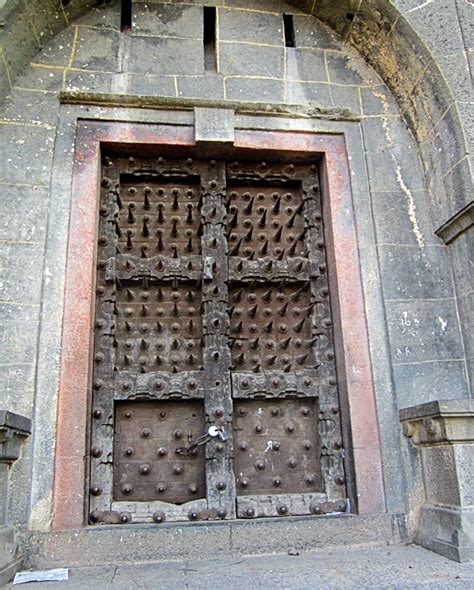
(251, 60)
(213, 125)
(167, 20)
(166, 56)
(250, 27)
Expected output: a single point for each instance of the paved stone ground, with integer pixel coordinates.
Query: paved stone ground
(374, 567)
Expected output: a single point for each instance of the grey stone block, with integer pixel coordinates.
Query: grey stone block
(395, 169)
(37, 78)
(103, 16)
(308, 92)
(21, 272)
(58, 51)
(462, 255)
(89, 82)
(415, 273)
(466, 312)
(422, 382)
(213, 126)
(458, 186)
(424, 331)
(166, 56)
(252, 27)
(149, 85)
(378, 101)
(19, 332)
(26, 154)
(437, 24)
(455, 69)
(23, 212)
(306, 64)
(346, 97)
(209, 86)
(168, 20)
(250, 60)
(465, 14)
(255, 90)
(311, 33)
(37, 107)
(347, 69)
(403, 218)
(96, 49)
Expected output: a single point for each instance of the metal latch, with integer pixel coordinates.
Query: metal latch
(212, 432)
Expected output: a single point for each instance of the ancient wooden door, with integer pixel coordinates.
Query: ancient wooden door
(214, 389)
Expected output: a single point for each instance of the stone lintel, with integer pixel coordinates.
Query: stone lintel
(444, 433)
(457, 224)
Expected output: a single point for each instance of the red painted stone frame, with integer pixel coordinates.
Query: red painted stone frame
(357, 394)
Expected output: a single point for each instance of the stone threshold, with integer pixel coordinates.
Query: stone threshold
(128, 544)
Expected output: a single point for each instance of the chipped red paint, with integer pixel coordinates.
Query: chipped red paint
(354, 369)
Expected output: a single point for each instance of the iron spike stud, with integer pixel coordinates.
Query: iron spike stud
(213, 212)
(283, 309)
(114, 343)
(161, 217)
(253, 311)
(174, 228)
(292, 249)
(143, 250)
(285, 343)
(291, 221)
(146, 202)
(142, 369)
(146, 283)
(190, 265)
(267, 296)
(129, 240)
(159, 294)
(233, 221)
(237, 328)
(269, 327)
(300, 238)
(271, 359)
(256, 369)
(287, 369)
(159, 326)
(296, 295)
(189, 245)
(268, 266)
(175, 251)
(299, 326)
(308, 310)
(213, 243)
(175, 205)
(144, 344)
(248, 234)
(239, 359)
(128, 265)
(189, 217)
(160, 246)
(130, 217)
(254, 343)
(278, 233)
(299, 266)
(248, 207)
(199, 231)
(119, 200)
(239, 266)
(312, 342)
(128, 326)
(264, 248)
(192, 359)
(276, 206)
(301, 359)
(251, 256)
(215, 291)
(175, 309)
(174, 369)
(236, 297)
(158, 360)
(127, 360)
(300, 208)
(189, 296)
(144, 312)
(175, 344)
(263, 219)
(281, 255)
(118, 231)
(236, 248)
(129, 294)
(159, 265)
(191, 326)
(230, 311)
(119, 284)
(145, 229)
(214, 267)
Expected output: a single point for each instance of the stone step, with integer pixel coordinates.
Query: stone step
(128, 544)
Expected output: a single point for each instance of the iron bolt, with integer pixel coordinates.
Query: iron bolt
(124, 518)
(244, 483)
(221, 485)
(221, 513)
(282, 509)
(292, 462)
(250, 512)
(94, 517)
(177, 469)
(290, 428)
(243, 446)
(127, 489)
(97, 414)
(276, 446)
(277, 482)
(146, 432)
(127, 414)
(178, 434)
(96, 452)
(260, 465)
(309, 480)
(95, 490)
(258, 428)
(193, 515)
(339, 480)
(192, 488)
(145, 469)
(337, 444)
(159, 517)
(161, 488)
(128, 452)
(162, 451)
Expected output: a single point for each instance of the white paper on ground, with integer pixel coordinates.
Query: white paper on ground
(57, 575)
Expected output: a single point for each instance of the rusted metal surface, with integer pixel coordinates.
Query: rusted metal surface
(211, 287)
(147, 465)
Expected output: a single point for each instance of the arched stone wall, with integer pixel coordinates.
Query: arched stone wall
(417, 349)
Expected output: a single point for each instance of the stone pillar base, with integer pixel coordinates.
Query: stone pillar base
(444, 433)
(10, 561)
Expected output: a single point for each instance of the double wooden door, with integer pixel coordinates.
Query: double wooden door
(214, 389)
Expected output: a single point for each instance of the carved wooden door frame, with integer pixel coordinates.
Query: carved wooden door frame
(357, 397)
